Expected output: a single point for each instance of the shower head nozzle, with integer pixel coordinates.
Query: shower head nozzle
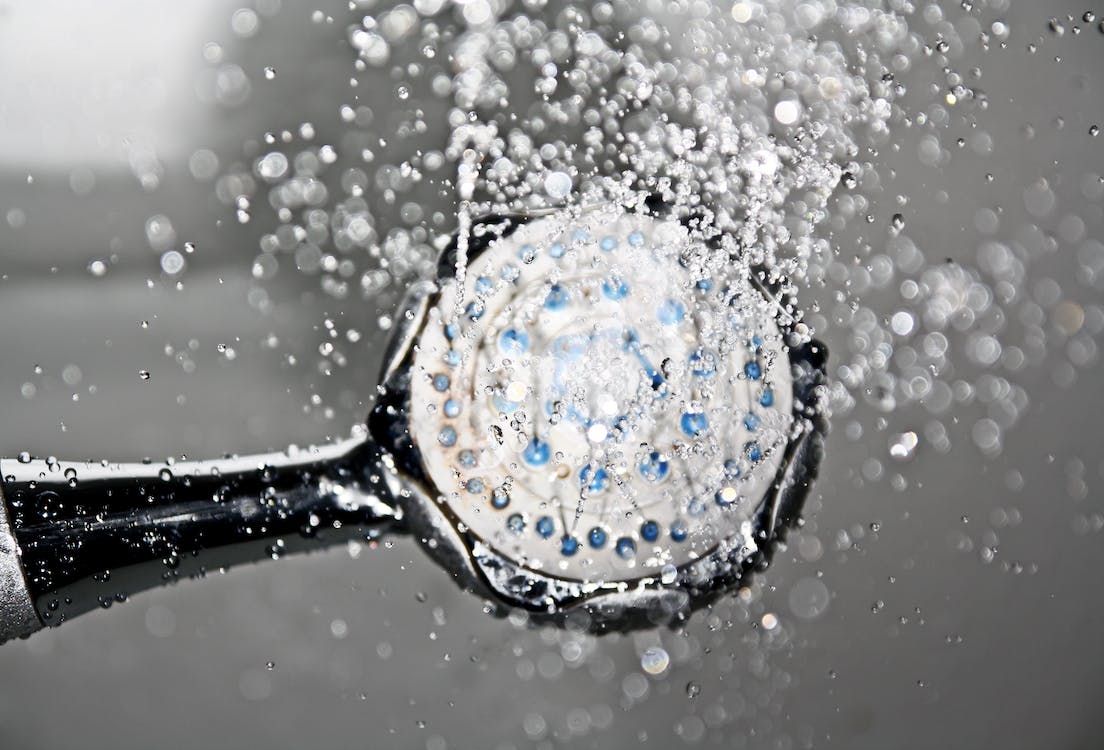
(600, 409)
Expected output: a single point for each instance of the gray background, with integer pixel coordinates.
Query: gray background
(375, 647)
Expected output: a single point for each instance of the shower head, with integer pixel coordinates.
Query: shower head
(596, 411)
(603, 409)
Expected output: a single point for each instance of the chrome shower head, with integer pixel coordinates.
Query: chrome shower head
(597, 412)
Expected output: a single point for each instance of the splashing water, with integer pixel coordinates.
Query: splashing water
(773, 130)
(751, 115)
(840, 152)
(764, 124)
(758, 122)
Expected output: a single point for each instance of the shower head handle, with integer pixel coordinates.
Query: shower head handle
(80, 536)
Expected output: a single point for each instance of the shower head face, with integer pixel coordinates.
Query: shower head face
(597, 407)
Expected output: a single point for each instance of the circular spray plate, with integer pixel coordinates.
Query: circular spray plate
(589, 404)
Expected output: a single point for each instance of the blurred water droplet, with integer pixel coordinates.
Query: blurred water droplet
(655, 660)
(557, 185)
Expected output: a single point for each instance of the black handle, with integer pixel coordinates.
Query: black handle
(90, 534)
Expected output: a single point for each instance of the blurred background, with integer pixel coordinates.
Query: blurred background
(947, 596)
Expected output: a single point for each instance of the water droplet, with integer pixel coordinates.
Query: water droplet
(272, 166)
(172, 262)
(655, 660)
(557, 185)
(787, 112)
